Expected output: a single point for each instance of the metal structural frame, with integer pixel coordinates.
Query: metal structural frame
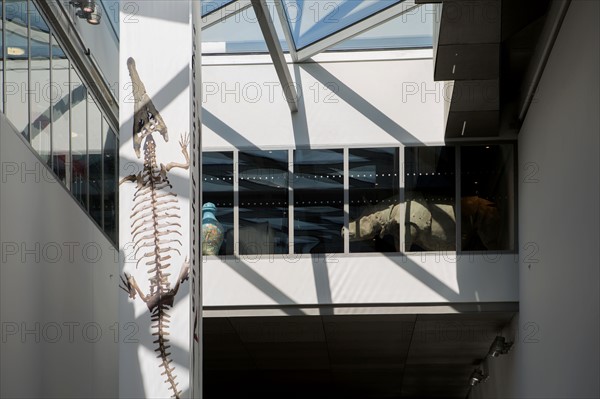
(303, 54)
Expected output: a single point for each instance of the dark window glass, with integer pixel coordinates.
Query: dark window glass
(217, 171)
(487, 203)
(110, 157)
(79, 165)
(39, 95)
(263, 196)
(430, 199)
(60, 100)
(318, 201)
(94, 148)
(17, 63)
(374, 200)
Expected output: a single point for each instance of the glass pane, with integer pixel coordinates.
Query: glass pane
(39, 95)
(487, 203)
(409, 30)
(318, 201)
(111, 13)
(374, 200)
(241, 34)
(263, 199)
(16, 54)
(94, 149)
(60, 99)
(430, 192)
(311, 21)
(79, 175)
(210, 6)
(110, 181)
(217, 171)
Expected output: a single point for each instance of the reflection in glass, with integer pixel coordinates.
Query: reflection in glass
(39, 95)
(318, 201)
(241, 33)
(413, 29)
(263, 196)
(430, 199)
(17, 53)
(60, 100)
(374, 200)
(110, 156)
(79, 174)
(313, 20)
(217, 187)
(94, 147)
(209, 6)
(487, 203)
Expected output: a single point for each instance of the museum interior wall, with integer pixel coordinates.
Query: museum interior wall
(365, 152)
(556, 352)
(59, 285)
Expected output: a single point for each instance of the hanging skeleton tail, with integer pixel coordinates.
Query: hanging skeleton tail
(155, 224)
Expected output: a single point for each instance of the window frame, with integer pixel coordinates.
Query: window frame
(402, 185)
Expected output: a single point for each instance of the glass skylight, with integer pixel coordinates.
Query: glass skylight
(413, 29)
(311, 21)
(317, 25)
(210, 6)
(240, 33)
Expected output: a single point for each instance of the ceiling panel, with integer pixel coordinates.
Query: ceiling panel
(349, 356)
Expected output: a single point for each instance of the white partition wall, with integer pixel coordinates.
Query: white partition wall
(348, 102)
(557, 352)
(154, 213)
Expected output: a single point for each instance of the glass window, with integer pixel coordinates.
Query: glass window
(318, 201)
(374, 200)
(241, 33)
(60, 99)
(210, 6)
(263, 196)
(79, 165)
(430, 192)
(17, 63)
(409, 30)
(311, 21)
(487, 193)
(110, 158)
(39, 95)
(217, 171)
(94, 150)
(111, 9)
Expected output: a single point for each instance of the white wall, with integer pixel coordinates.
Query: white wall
(58, 280)
(387, 102)
(347, 99)
(165, 75)
(557, 353)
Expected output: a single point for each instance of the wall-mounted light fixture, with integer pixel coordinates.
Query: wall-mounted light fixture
(477, 376)
(88, 10)
(499, 347)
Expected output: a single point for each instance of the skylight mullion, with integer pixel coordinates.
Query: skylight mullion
(355, 29)
(222, 13)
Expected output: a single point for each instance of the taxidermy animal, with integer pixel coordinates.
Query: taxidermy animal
(431, 226)
(155, 224)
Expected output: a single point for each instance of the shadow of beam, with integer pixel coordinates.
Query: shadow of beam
(241, 268)
(360, 104)
(225, 131)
